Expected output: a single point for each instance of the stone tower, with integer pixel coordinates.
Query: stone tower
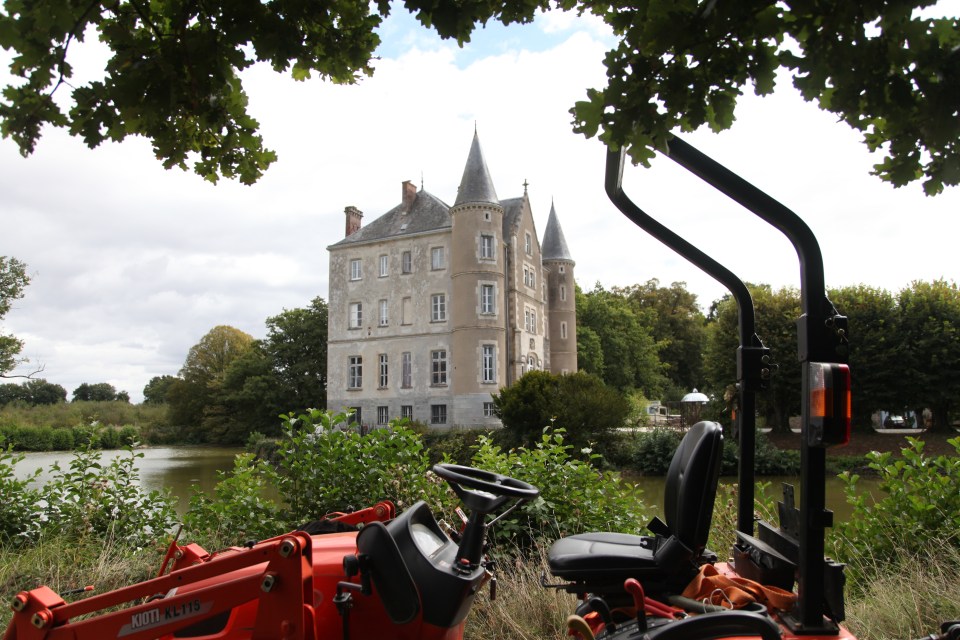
(561, 301)
(478, 327)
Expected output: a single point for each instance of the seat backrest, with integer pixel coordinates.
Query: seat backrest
(691, 485)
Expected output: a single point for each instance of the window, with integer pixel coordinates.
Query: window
(383, 416)
(384, 265)
(486, 247)
(563, 292)
(438, 414)
(488, 364)
(528, 244)
(438, 367)
(406, 262)
(406, 316)
(355, 269)
(529, 276)
(563, 330)
(383, 313)
(561, 268)
(488, 411)
(532, 362)
(354, 415)
(356, 315)
(486, 299)
(438, 304)
(355, 373)
(406, 370)
(436, 258)
(530, 320)
(383, 371)
(406, 411)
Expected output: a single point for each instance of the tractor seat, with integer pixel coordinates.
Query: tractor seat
(600, 562)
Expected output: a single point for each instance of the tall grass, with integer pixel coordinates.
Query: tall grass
(523, 609)
(63, 565)
(907, 600)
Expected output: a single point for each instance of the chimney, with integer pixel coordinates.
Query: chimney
(409, 195)
(353, 220)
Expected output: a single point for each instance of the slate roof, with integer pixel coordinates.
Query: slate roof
(554, 245)
(427, 213)
(511, 215)
(476, 184)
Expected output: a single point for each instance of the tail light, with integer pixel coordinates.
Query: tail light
(829, 421)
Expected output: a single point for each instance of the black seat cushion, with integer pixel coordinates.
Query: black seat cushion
(592, 553)
(604, 558)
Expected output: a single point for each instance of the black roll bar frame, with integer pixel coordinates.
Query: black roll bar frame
(822, 337)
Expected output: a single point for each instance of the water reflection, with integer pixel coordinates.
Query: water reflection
(174, 468)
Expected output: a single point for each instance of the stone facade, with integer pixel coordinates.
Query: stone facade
(434, 308)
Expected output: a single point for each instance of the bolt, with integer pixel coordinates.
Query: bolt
(269, 581)
(286, 548)
(19, 602)
(40, 619)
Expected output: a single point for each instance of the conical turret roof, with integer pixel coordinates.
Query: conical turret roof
(476, 184)
(554, 245)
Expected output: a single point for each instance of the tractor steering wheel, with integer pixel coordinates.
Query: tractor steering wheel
(487, 490)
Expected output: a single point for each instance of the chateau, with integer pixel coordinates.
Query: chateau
(434, 308)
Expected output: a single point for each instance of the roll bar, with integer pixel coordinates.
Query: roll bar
(822, 337)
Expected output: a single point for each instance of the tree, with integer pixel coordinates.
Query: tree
(929, 330)
(13, 280)
(875, 350)
(207, 361)
(39, 391)
(155, 391)
(629, 352)
(173, 74)
(677, 326)
(296, 343)
(99, 392)
(192, 398)
(777, 313)
(579, 402)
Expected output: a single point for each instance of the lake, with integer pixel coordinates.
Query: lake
(180, 468)
(174, 468)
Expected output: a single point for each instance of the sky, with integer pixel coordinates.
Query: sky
(132, 264)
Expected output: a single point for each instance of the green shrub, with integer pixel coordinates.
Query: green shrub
(574, 496)
(129, 435)
(19, 510)
(90, 499)
(916, 515)
(62, 440)
(324, 466)
(237, 511)
(456, 445)
(654, 450)
(41, 439)
(109, 438)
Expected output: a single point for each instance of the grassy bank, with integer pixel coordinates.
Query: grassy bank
(66, 426)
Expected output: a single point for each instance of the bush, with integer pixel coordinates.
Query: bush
(237, 511)
(654, 450)
(19, 511)
(90, 499)
(129, 435)
(574, 496)
(327, 466)
(62, 440)
(455, 445)
(916, 515)
(579, 402)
